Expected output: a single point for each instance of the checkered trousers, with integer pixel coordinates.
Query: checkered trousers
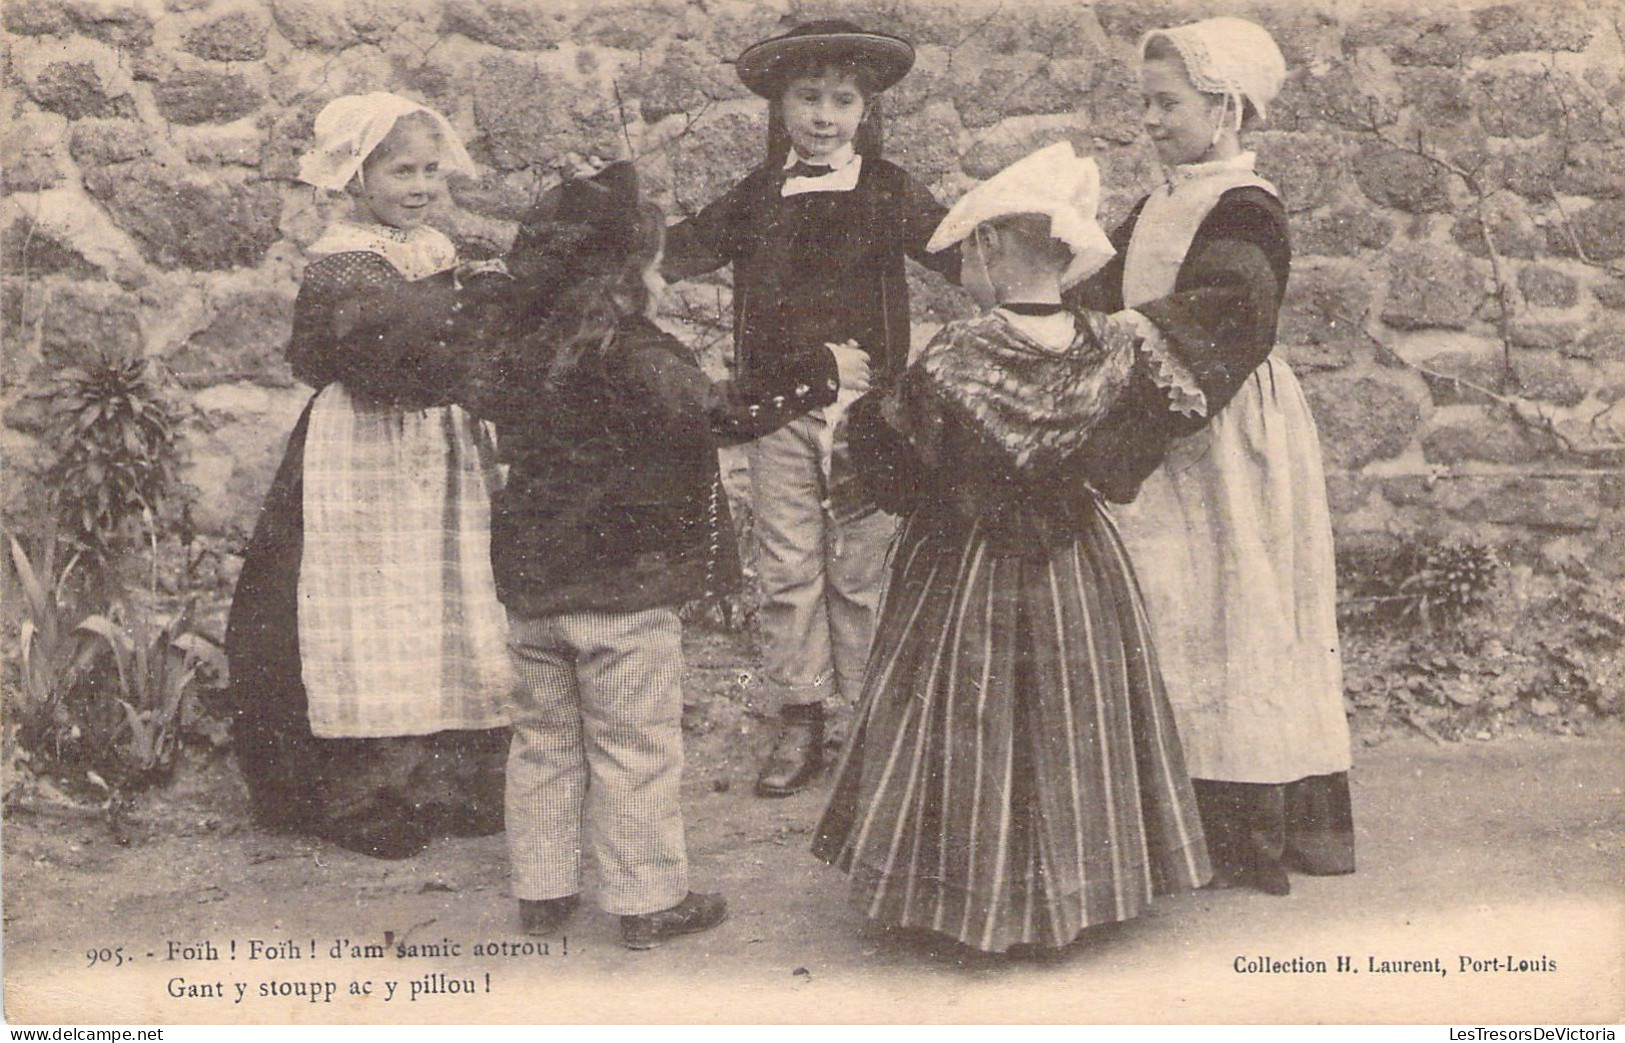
(598, 749)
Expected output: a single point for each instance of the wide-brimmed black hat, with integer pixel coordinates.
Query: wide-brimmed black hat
(579, 228)
(606, 203)
(832, 40)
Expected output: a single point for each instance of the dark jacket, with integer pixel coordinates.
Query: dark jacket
(1219, 321)
(817, 267)
(613, 501)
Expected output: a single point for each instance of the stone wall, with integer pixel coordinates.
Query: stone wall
(1456, 181)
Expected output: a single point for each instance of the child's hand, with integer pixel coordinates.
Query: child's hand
(852, 366)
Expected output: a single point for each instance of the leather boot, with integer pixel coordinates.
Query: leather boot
(798, 752)
(696, 912)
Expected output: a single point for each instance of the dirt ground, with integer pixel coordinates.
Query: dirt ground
(1509, 851)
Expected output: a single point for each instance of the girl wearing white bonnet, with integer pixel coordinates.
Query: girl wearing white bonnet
(1014, 775)
(367, 646)
(1231, 535)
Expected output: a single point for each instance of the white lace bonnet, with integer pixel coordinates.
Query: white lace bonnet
(1228, 56)
(349, 128)
(1053, 182)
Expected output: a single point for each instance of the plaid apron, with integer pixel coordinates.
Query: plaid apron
(400, 631)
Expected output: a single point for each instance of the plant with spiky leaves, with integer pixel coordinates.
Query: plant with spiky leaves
(114, 431)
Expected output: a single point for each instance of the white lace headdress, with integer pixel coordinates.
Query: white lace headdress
(1053, 182)
(1228, 56)
(349, 128)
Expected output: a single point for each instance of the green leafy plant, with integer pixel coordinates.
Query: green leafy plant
(1452, 641)
(1449, 579)
(99, 699)
(106, 689)
(1575, 637)
(54, 654)
(114, 429)
(155, 686)
(1428, 584)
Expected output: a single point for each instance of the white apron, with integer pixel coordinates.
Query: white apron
(1231, 539)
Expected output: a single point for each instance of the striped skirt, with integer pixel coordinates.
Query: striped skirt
(1014, 774)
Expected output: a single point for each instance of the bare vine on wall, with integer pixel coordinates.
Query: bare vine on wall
(1479, 180)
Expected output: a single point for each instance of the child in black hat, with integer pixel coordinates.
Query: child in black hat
(611, 518)
(816, 236)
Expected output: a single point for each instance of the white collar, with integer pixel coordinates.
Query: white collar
(845, 165)
(1184, 173)
(835, 160)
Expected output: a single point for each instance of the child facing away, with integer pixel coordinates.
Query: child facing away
(1231, 536)
(613, 516)
(366, 644)
(817, 238)
(1014, 774)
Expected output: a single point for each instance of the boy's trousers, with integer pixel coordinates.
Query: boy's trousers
(821, 580)
(598, 745)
